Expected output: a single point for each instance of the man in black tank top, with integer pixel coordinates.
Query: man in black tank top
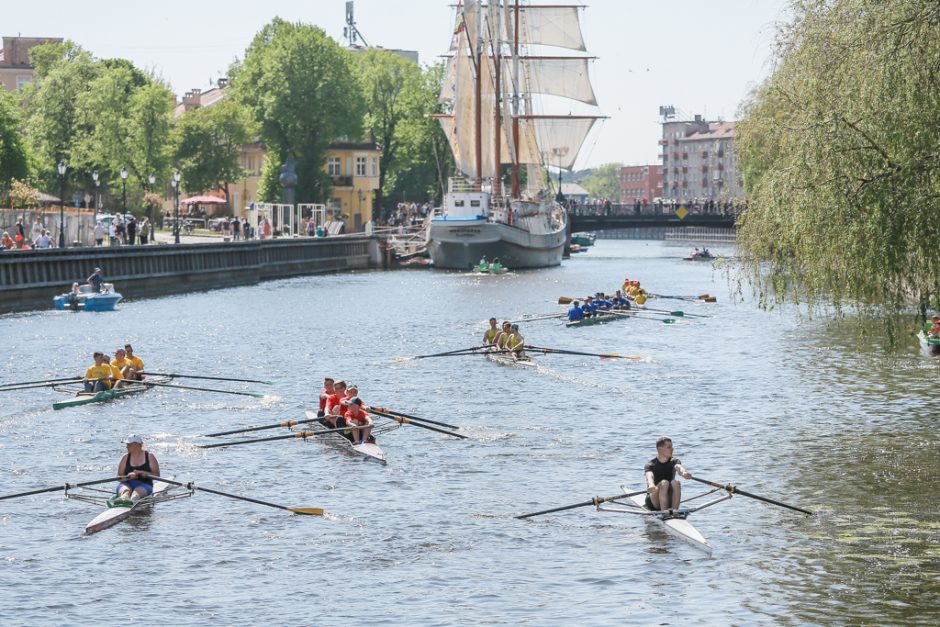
(663, 490)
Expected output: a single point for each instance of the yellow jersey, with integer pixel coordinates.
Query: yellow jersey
(137, 362)
(490, 335)
(102, 372)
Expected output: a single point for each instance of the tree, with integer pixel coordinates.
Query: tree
(14, 159)
(841, 160)
(302, 88)
(392, 86)
(206, 145)
(604, 181)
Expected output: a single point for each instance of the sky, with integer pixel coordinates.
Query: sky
(702, 57)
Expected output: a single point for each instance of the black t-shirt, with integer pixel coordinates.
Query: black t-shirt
(662, 471)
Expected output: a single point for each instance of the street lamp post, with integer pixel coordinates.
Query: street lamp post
(124, 190)
(94, 176)
(62, 169)
(150, 179)
(176, 206)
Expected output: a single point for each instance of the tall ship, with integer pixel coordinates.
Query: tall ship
(499, 85)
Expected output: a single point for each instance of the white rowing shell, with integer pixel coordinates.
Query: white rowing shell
(114, 515)
(679, 527)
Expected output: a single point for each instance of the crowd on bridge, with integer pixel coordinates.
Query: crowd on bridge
(659, 207)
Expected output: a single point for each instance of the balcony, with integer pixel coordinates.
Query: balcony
(663, 142)
(685, 155)
(342, 181)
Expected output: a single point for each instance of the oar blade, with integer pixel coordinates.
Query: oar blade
(307, 511)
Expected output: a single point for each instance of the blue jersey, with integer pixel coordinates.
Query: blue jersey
(575, 313)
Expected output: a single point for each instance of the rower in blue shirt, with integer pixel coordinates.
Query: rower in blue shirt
(575, 313)
(589, 308)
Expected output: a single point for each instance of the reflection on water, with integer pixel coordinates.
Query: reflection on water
(792, 409)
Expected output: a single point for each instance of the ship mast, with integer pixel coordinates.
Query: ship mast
(515, 104)
(478, 95)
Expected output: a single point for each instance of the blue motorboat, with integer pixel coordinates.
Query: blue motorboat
(89, 300)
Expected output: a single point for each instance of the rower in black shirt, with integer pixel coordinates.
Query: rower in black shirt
(663, 490)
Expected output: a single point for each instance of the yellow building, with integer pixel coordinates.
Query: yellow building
(352, 167)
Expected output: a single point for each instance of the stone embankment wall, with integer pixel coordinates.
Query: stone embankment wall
(29, 279)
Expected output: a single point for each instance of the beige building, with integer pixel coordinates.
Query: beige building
(352, 167)
(699, 161)
(15, 68)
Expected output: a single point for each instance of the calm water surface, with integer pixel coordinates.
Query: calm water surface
(793, 409)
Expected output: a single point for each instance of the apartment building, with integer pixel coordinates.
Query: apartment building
(699, 162)
(15, 68)
(640, 183)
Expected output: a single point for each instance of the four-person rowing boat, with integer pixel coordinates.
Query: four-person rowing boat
(369, 451)
(134, 387)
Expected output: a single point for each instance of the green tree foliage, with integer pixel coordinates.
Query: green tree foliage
(423, 159)
(207, 142)
(604, 181)
(840, 152)
(392, 87)
(303, 90)
(14, 159)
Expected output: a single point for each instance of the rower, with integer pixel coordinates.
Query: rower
(934, 328)
(516, 343)
(334, 408)
(496, 266)
(96, 279)
(490, 336)
(100, 376)
(359, 421)
(483, 264)
(620, 302)
(575, 313)
(589, 308)
(664, 492)
(325, 395)
(137, 469)
(503, 335)
(136, 364)
(123, 367)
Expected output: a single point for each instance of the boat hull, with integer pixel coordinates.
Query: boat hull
(85, 398)
(98, 302)
(369, 451)
(114, 515)
(506, 359)
(678, 527)
(459, 244)
(930, 345)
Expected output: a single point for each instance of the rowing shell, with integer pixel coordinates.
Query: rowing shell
(367, 450)
(506, 359)
(679, 526)
(84, 398)
(162, 491)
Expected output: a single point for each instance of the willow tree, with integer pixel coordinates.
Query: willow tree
(840, 153)
(304, 92)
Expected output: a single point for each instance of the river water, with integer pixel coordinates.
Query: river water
(791, 408)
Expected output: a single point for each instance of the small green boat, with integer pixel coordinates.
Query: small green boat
(930, 345)
(583, 239)
(84, 398)
(600, 318)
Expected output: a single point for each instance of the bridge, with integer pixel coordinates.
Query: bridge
(599, 218)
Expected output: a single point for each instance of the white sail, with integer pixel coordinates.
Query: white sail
(548, 26)
(567, 77)
(558, 139)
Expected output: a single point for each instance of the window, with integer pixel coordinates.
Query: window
(333, 167)
(23, 80)
(375, 167)
(360, 166)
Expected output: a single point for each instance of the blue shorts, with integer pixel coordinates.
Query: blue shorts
(133, 484)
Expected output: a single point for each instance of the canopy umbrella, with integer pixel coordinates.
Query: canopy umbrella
(201, 200)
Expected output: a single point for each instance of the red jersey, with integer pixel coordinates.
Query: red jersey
(332, 403)
(324, 396)
(361, 419)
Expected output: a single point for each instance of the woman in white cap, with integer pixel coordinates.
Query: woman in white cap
(137, 468)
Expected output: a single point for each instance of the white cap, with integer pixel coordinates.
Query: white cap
(133, 439)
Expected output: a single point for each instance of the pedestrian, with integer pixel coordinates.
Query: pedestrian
(43, 241)
(236, 229)
(99, 233)
(145, 231)
(37, 229)
(119, 229)
(131, 230)
(226, 228)
(112, 232)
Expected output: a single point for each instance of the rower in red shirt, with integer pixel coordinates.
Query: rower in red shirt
(359, 421)
(324, 395)
(334, 408)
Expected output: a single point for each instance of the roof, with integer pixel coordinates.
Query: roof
(716, 130)
(196, 99)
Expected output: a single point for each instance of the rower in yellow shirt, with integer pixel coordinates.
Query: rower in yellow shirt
(99, 377)
(136, 362)
(489, 338)
(121, 365)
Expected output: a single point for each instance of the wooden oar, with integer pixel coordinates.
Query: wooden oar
(65, 486)
(42, 383)
(289, 423)
(537, 317)
(678, 314)
(296, 434)
(597, 500)
(472, 349)
(310, 511)
(733, 490)
(193, 376)
(405, 421)
(187, 387)
(635, 314)
(567, 352)
(703, 297)
(398, 413)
